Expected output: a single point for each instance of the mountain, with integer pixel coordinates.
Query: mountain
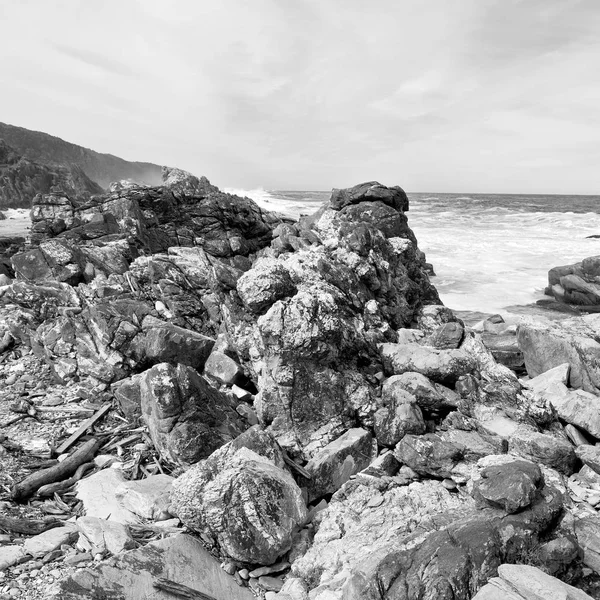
(101, 168)
(21, 179)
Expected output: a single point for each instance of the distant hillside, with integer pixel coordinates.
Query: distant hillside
(101, 168)
(21, 179)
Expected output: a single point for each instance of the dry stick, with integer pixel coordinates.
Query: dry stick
(14, 420)
(292, 463)
(64, 469)
(82, 429)
(28, 526)
(177, 589)
(51, 488)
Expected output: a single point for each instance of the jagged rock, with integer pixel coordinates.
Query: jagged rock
(505, 349)
(421, 541)
(446, 337)
(548, 344)
(428, 454)
(585, 486)
(428, 395)
(587, 530)
(557, 555)
(224, 369)
(543, 448)
(130, 576)
(512, 486)
(474, 445)
(267, 282)
(99, 535)
(148, 498)
(332, 466)
(163, 342)
(384, 464)
(128, 394)
(441, 366)
(577, 407)
(400, 415)
(370, 191)
(590, 456)
(186, 418)
(524, 582)
(576, 437)
(429, 318)
(243, 498)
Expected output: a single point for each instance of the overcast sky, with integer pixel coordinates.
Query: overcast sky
(433, 95)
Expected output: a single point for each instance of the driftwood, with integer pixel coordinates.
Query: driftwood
(51, 488)
(82, 429)
(177, 589)
(62, 470)
(294, 465)
(28, 526)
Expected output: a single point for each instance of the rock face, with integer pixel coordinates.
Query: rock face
(187, 419)
(524, 582)
(22, 179)
(546, 345)
(101, 168)
(242, 497)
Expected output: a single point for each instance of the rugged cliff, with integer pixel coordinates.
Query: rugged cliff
(101, 168)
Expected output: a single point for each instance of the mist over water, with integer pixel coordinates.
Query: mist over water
(489, 251)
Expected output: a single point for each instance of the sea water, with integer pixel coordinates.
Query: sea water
(491, 252)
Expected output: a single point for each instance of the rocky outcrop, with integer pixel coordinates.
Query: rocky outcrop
(22, 179)
(101, 168)
(577, 284)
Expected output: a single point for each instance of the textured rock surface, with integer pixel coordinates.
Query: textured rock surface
(187, 418)
(243, 498)
(182, 559)
(524, 582)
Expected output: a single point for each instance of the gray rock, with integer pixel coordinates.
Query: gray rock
(548, 344)
(242, 497)
(441, 366)
(446, 337)
(130, 577)
(187, 418)
(428, 395)
(587, 530)
(100, 535)
(512, 486)
(400, 416)
(148, 498)
(41, 544)
(590, 456)
(428, 454)
(267, 282)
(224, 369)
(332, 466)
(524, 582)
(97, 493)
(543, 448)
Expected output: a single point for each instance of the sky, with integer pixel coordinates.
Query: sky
(494, 96)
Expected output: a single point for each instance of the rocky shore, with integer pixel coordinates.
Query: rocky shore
(247, 406)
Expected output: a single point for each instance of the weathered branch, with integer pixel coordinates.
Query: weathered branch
(62, 470)
(177, 589)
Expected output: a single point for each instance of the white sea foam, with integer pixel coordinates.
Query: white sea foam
(489, 252)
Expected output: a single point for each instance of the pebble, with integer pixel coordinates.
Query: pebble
(14, 592)
(5, 538)
(229, 568)
(276, 568)
(75, 559)
(244, 573)
(54, 573)
(449, 484)
(271, 596)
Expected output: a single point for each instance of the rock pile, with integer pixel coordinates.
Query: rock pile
(577, 284)
(334, 432)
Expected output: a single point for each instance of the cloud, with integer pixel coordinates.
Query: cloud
(94, 59)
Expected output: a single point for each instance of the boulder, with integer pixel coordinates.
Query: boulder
(587, 530)
(267, 282)
(428, 395)
(148, 498)
(400, 416)
(446, 337)
(99, 535)
(590, 456)
(441, 366)
(242, 498)
(543, 448)
(511, 486)
(428, 454)
(332, 466)
(525, 582)
(223, 369)
(547, 344)
(187, 419)
(131, 575)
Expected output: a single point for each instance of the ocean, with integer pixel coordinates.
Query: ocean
(491, 252)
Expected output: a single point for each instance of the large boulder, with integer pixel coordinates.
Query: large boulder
(186, 418)
(547, 344)
(243, 498)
